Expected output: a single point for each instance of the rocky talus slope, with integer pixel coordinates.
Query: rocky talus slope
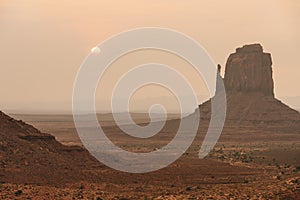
(29, 156)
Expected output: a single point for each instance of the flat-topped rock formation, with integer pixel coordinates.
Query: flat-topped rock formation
(249, 69)
(250, 93)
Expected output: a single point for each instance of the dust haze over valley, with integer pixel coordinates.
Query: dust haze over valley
(44, 43)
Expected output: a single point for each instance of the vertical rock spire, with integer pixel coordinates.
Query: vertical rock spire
(219, 80)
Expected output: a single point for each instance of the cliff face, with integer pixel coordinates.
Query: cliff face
(249, 69)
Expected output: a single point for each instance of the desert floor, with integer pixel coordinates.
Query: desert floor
(248, 168)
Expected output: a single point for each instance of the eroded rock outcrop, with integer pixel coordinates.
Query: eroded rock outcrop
(30, 156)
(249, 69)
(250, 93)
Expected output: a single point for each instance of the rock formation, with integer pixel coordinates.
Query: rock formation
(250, 93)
(30, 156)
(249, 70)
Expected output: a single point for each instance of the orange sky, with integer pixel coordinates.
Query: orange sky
(43, 43)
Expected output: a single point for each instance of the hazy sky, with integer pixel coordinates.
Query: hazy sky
(43, 43)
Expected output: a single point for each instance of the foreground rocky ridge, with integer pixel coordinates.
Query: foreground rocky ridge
(29, 156)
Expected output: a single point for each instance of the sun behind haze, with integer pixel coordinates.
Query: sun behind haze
(43, 43)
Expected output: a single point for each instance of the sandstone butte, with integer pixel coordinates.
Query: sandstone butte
(249, 87)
